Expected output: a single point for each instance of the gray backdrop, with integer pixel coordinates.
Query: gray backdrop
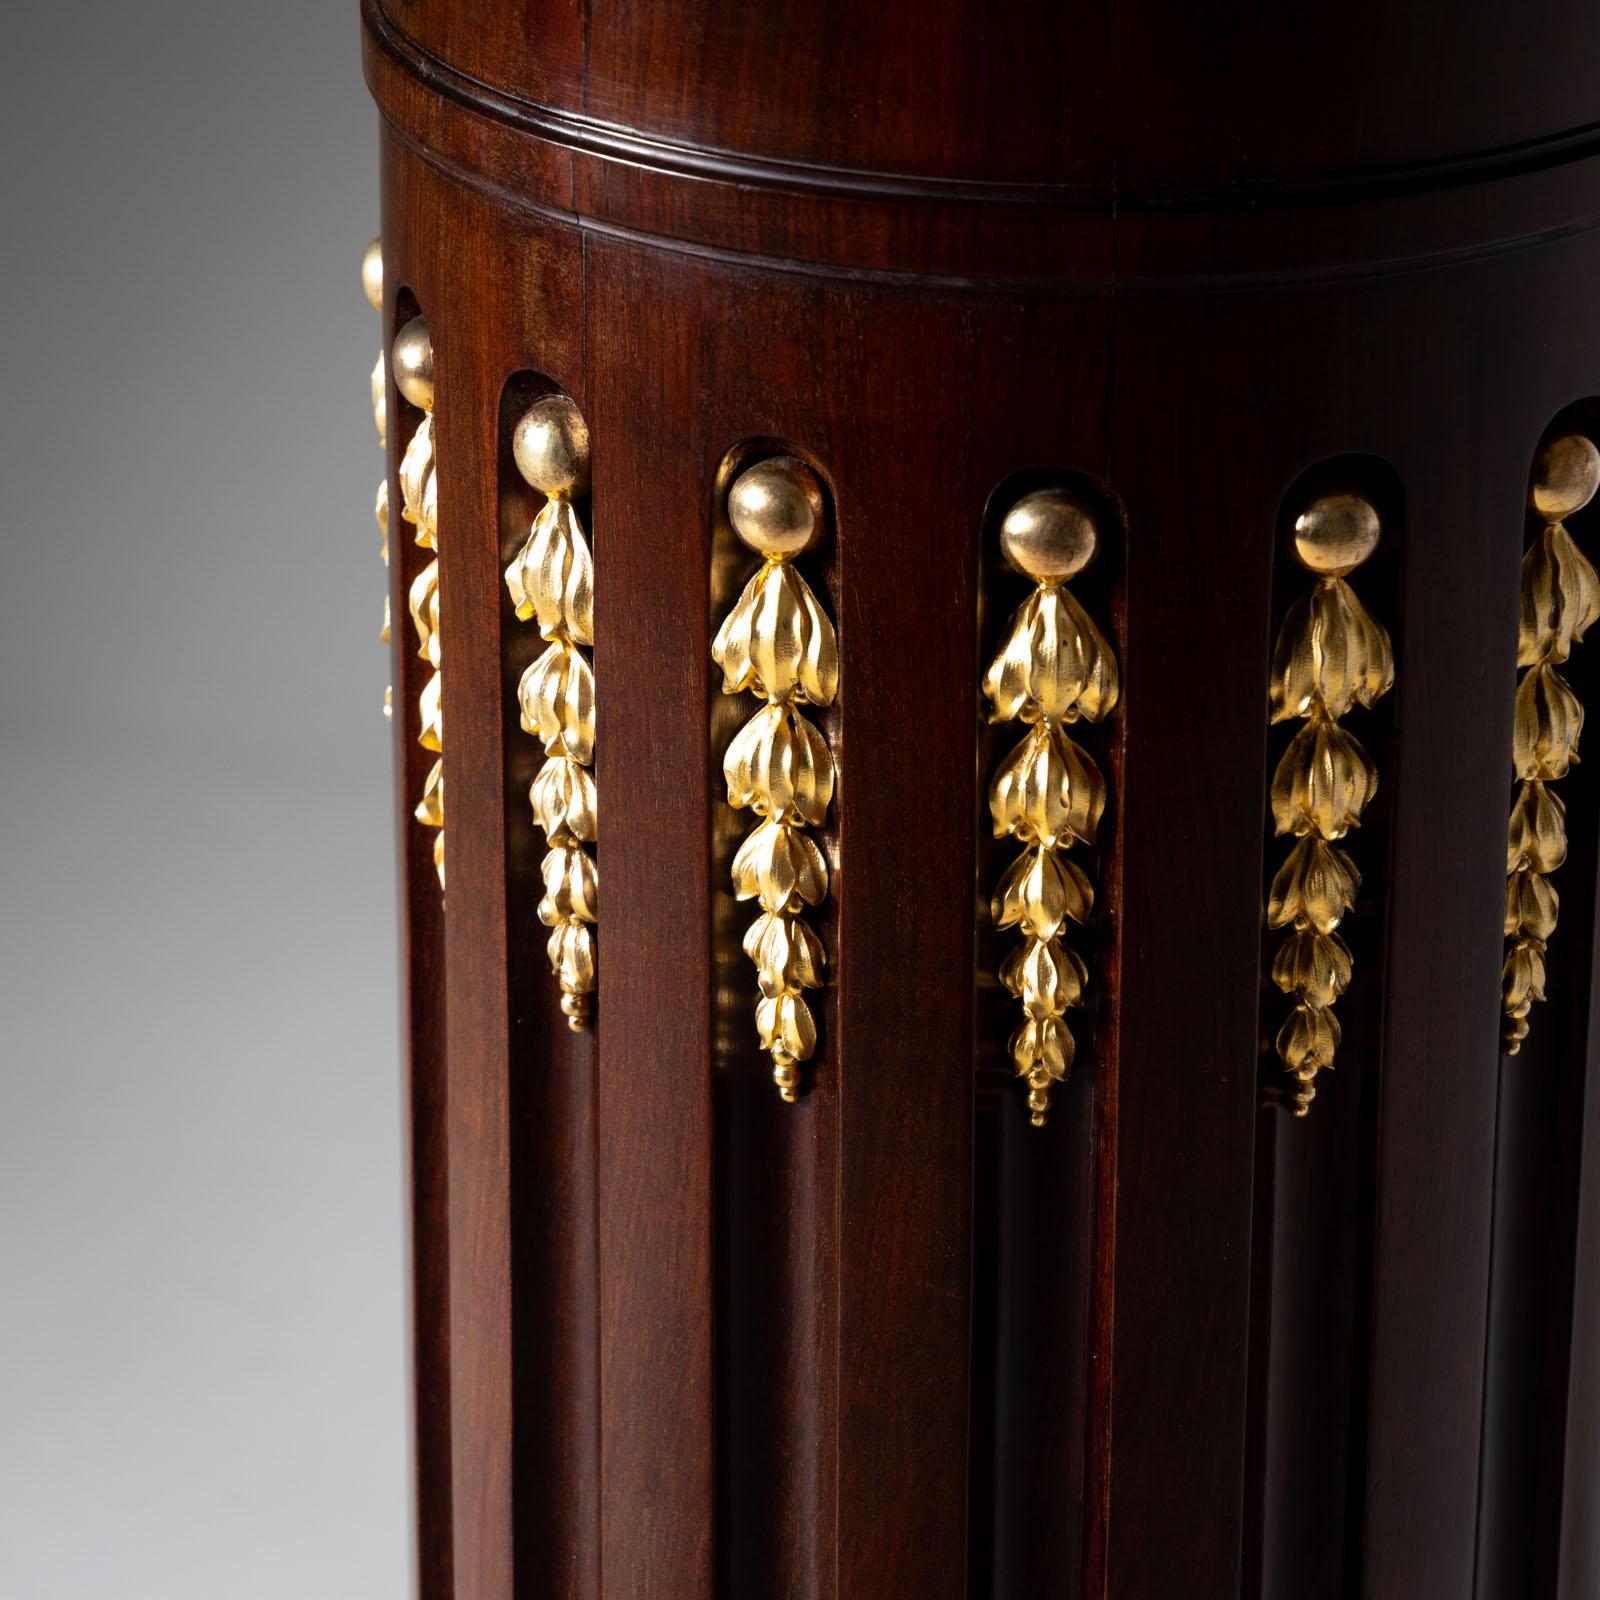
(202, 1381)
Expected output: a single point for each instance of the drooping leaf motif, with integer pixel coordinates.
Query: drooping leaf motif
(430, 809)
(1558, 603)
(1522, 978)
(1047, 976)
(571, 951)
(1324, 781)
(1047, 791)
(1537, 835)
(571, 886)
(1314, 966)
(780, 867)
(1547, 720)
(1330, 653)
(420, 506)
(1054, 663)
(1331, 656)
(1054, 667)
(550, 582)
(563, 799)
(788, 956)
(425, 612)
(777, 641)
(1309, 1038)
(418, 490)
(785, 1026)
(1043, 1049)
(780, 766)
(1560, 599)
(1040, 891)
(552, 578)
(556, 695)
(430, 705)
(1315, 886)
(1532, 905)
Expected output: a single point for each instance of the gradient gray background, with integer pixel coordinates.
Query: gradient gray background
(202, 1379)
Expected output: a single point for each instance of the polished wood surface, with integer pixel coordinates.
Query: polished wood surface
(676, 1339)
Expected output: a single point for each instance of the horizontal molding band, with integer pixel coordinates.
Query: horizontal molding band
(966, 238)
(577, 132)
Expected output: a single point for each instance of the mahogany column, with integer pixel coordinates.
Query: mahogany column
(675, 1338)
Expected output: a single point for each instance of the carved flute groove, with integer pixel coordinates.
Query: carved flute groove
(552, 582)
(1054, 668)
(777, 642)
(1560, 603)
(1331, 655)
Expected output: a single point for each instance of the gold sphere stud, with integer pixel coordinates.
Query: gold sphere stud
(550, 445)
(1565, 477)
(776, 507)
(1335, 534)
(413, 364)
(372, 274)
(1049, 536)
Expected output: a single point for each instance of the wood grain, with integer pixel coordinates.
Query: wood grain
(675, 1339)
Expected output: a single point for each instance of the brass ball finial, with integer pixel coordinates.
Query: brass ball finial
(1565, 477)
(1049, 536)
(413, 364)
(1336, 533)
(551, 448)
(776, 507)
(372, 274)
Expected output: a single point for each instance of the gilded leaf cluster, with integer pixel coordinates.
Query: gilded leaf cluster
(551, 582)
(777, 642)
(1560, 602)
(1331, 657)
(1054, 668)
(420, 507)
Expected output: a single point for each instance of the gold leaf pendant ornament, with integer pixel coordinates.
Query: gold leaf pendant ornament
(1054, 668)
(1330, 656)
(419, 489)
(777, 642)
(372, 287)
(552, 583)
(1560, 603)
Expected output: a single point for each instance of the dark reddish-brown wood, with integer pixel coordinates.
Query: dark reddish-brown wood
(674, 1339)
